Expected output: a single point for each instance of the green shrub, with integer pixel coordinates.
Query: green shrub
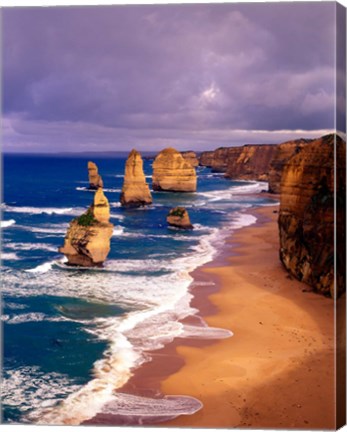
(87, 219)
(179, 212)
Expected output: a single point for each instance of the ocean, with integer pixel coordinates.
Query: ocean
(71, 337)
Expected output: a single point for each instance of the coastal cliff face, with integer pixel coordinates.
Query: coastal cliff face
(178, 217)
(306, 218)
(87, 242)
(282, 155)
(190, 157)
(206, 158)
(135, 191)
(172, 173)
(95, 180)
(250, 162)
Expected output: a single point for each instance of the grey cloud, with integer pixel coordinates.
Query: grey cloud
(180, 68)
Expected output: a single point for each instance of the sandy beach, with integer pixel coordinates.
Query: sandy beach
(276, 371)
(278, 368)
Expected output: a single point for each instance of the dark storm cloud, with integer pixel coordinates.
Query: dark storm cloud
(183, 74)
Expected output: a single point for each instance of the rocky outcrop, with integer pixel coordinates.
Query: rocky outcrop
(135, 191)
(306, 217)
(172, 173)
(282, 155)
(190, 157)
(178, 217)
(250, 162)
(87, 242)
(95, 180)
(206, 158)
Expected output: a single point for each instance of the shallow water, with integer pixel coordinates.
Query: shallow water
(72, 336)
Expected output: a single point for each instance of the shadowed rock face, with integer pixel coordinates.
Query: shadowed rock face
(282, 155)
(95, 180)
(87, 242)
(172, 173)
(191, 157)
(178, 217)
(306, 217)
(250, 162)
(135, 191)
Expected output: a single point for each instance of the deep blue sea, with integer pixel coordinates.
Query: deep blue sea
(73, 336)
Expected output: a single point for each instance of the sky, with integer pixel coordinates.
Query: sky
(199, 76)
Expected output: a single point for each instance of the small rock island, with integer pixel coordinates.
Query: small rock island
(178, 217)
(95, 180)
(87, 241)
(171, 172)
(135, 191)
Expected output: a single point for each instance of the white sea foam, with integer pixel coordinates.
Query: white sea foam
(45, 267)
(30, 388)
(31, 246)
(7, 223)
(9, 256)
(205, 332)
(118, 230)
(43, 210)
(30, 317)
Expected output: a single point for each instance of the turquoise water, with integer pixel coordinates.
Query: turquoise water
(73, 336)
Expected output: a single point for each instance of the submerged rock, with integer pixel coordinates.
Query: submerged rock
(87, 241)
(135, 191)
(306, 218)
(178, 217)
(172, 173)
(95, 180)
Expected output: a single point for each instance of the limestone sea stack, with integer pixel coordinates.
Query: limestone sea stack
(190, 157)
(135, 191)
(306, 217)
(95, 180)
(172, 173)
(178, 217)
(87, 242)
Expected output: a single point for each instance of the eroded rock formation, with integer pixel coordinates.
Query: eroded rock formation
(250, 162)
(206, 158)
(178, 217)
(87, 242)
(95, 180)
(190, 157)
(172, 173)
(282, 155)
(306, 217)
(135, 191)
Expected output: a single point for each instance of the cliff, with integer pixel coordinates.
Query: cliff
(178, 217)
(190, 157)
(95, 180)
(172, 173)
(206, 158)
(87, 242)
(135, 191)
(306, 217)
(250, 162)
(282, 155)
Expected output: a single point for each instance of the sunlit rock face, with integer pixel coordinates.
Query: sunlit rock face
(306, 217)
(87, 241)
(250, 162)
(282, 155)
(95, 180)
(172, 173)
(135, 191)
(191, 157)
(178, 217)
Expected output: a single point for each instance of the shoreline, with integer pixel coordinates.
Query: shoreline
(229, 393)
